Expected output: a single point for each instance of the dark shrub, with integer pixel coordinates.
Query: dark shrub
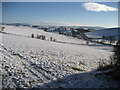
(2, 28)
(44, 37)
(51, 38)
(32, 35)
(54, 40)
(114, 66)
(116, 57)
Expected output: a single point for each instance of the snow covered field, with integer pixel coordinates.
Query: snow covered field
(29, 62)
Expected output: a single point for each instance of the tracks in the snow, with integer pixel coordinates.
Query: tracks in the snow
(33, 69)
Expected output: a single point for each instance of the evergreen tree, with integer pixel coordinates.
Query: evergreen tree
(32, 35)
(51, 38)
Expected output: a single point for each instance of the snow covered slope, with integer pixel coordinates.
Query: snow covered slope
(105, 32)
(29, 62)
(27, 31)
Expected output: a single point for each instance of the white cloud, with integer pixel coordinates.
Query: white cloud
(98, 7)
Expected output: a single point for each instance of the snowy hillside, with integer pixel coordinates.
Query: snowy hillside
(105, 32)
(29, 62)
(27, 31)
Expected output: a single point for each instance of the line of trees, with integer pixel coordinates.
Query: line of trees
(111, 40)
(38, 36)
(42, 37)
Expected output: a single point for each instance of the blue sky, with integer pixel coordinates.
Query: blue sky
(61, 13)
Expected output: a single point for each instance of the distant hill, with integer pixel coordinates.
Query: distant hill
(109, 32)
(92, 27)
(16, 24)
(81, 27)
